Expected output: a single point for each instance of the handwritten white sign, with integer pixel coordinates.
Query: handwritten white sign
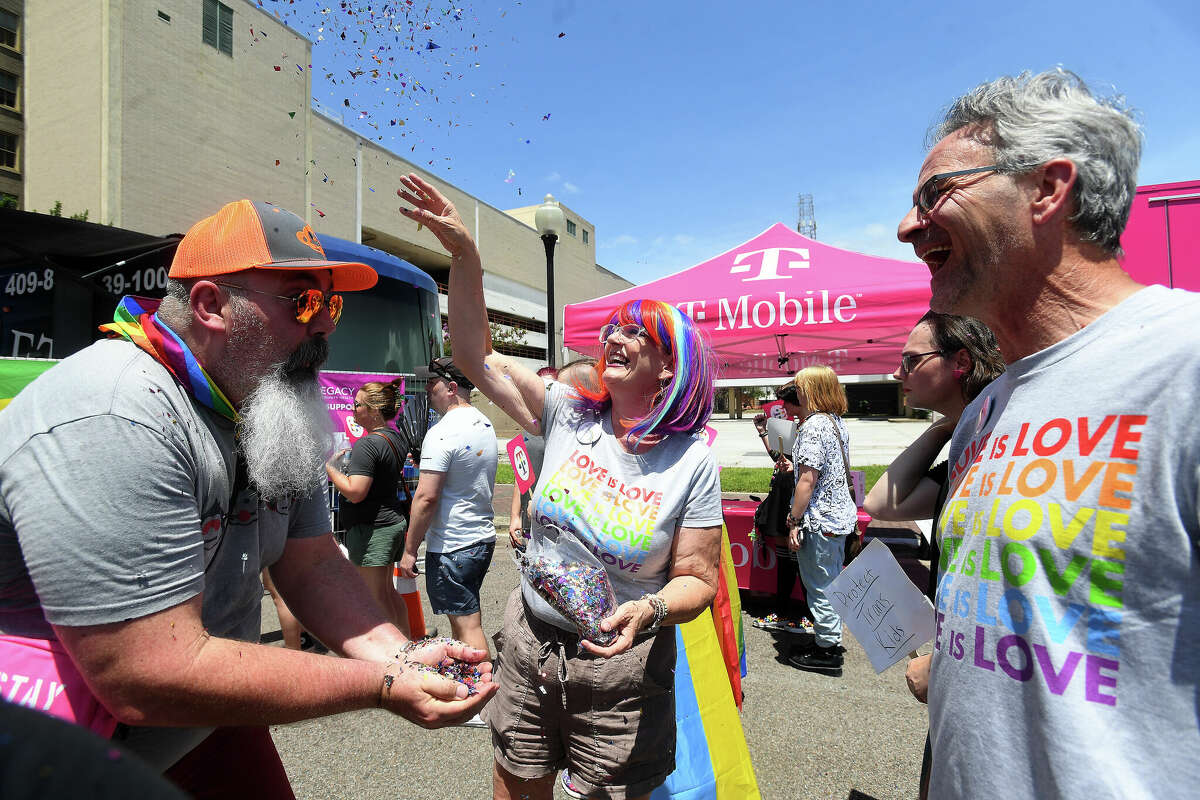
(781, 434)
(887, 614)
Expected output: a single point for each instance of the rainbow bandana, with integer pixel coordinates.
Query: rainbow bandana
(136, 320)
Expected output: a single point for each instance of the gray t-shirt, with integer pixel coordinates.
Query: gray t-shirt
(1067, 657)
(115, 504)
(823, 443)
(625, 507)
(463, 446)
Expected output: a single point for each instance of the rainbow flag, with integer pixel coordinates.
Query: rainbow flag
(17, 373)
(712, 761)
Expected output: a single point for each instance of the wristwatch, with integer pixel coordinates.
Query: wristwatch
(660, 611)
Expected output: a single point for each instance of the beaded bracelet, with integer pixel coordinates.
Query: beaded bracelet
(660, 610)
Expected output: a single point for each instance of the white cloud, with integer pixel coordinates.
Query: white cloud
(570, 187)
(682, 238)
(623, 239)
(553, 177)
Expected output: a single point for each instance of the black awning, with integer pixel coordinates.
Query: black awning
(37, 240)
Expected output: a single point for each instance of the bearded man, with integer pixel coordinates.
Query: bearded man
(148, 479)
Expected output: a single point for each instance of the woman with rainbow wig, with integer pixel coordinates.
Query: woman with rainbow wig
(626, 474)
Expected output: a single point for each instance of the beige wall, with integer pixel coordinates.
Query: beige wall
(199, 127)
(63, 97)
(148, 127)
(11, 121)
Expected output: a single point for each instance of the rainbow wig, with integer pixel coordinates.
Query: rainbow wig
(686, 402)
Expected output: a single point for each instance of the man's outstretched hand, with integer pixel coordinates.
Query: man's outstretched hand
(422, 696)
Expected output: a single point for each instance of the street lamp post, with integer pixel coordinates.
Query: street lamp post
(550, 221)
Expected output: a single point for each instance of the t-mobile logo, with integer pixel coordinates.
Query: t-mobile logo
(768, 266)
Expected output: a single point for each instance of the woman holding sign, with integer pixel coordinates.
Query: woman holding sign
(823, 511)
(624, 474)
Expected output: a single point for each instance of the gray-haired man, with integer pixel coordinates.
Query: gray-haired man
(1068, 614)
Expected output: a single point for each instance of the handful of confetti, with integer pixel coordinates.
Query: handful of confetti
(463, 672)
(572, 580)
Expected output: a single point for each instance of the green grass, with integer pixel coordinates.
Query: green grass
(758, 479)
(733, 479)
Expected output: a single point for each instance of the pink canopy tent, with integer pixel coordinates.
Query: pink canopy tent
(781, 302)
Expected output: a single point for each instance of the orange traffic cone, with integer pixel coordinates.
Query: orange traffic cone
(407, 587)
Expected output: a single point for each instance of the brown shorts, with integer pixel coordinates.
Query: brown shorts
(610, 721)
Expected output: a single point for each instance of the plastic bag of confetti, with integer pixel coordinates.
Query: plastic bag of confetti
(569, 576)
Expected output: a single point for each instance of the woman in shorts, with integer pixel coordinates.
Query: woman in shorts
(374, 516)
(624, 473)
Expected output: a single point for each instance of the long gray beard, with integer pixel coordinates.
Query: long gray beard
(285, 433)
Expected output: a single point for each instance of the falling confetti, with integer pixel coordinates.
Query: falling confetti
(391, 65)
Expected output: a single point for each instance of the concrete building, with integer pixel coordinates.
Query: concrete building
(12, 126)
(150, 114)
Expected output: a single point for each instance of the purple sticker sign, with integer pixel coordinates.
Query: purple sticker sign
(339, 389)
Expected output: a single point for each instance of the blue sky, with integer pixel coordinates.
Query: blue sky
(682, 129)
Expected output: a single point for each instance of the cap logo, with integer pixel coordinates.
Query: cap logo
(309, 239)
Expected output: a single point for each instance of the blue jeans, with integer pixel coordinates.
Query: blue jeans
(453, 579)
(820, 561)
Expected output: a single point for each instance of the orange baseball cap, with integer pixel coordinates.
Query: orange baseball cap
(247, 234)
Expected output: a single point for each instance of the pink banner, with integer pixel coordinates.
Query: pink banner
(339, 389)
(518, 456)
(775, 408)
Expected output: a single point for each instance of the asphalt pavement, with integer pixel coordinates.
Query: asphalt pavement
(809, 735)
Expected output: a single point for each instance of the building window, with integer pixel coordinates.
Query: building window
(8, 90)
(8, 28)
(8, 150)
(570, 227)
(585, 236)
(164, 16)
(218, 26)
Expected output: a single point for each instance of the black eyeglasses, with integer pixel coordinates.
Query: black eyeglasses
(308, 302)
(932, 189)
(910, 361)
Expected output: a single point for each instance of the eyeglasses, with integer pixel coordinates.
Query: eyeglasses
(910, 361)
(932, 189)
(308, 302)
(627, 332)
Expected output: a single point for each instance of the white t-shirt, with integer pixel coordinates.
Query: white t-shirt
(625, 507)
(463, 446)
(1067, 656)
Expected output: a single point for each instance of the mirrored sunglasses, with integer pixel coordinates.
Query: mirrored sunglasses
(308, 302)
